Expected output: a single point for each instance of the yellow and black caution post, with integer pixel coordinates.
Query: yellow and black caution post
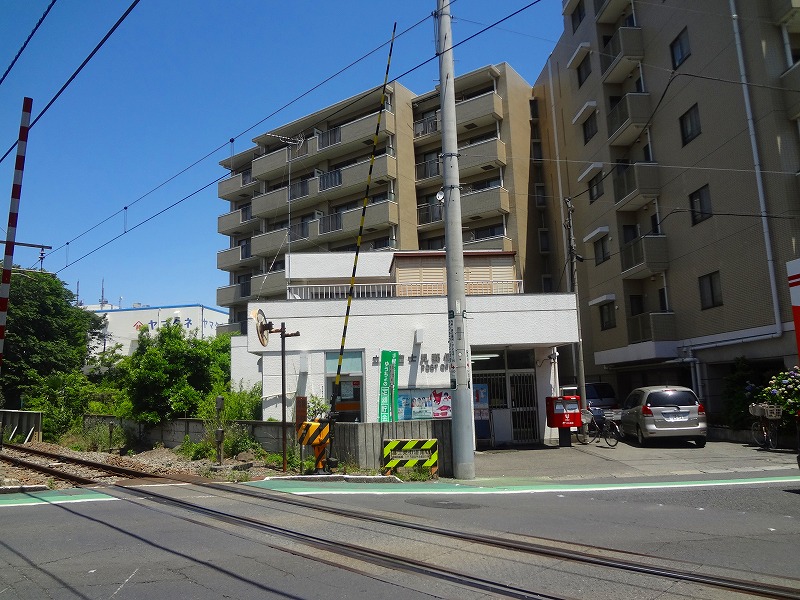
(316, 434)
(411, 453)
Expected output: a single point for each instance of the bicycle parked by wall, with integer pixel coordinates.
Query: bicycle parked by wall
(765, 428)
(596, 425)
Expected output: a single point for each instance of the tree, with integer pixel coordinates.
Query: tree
(45, 335)
(171, 371)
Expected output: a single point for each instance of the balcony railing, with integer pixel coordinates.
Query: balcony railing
(329, 138)
(298, 231)
(429, 168)
(330, 179)
(330, 223)
(654, 326)
(430, 213)
(299, 189)
(395, 290)
(426, 125)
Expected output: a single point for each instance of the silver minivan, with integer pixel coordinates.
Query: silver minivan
(663, 411)
(598, 394)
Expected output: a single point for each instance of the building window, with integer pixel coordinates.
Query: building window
(435, 243)
(544, 241)
(607, 318)
(601, 251)
(577, 16)
(690, 124)
(679, 48)
(710, 290)
(589, 128)
(700, 205)
(596, 187)
(489, 231)
(547, 283)
(584, 69)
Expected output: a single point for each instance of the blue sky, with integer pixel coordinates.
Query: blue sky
(176, 81)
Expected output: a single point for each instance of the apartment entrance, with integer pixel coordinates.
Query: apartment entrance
(513, 415)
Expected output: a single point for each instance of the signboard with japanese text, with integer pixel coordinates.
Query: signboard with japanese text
(387, 396)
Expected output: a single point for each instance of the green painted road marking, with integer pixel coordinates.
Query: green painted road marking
(300, 487)
(52, 497)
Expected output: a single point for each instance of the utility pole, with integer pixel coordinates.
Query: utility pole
(463, 416)
(574, 258)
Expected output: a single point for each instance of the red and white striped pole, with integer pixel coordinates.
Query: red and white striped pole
(13, 212)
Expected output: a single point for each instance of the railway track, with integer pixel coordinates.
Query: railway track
(648, 572)
(72, 469)
(294, 524)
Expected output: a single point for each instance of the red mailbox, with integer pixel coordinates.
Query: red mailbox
(563, 411)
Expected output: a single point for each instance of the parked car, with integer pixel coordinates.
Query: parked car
(663, 411)
(598, 394)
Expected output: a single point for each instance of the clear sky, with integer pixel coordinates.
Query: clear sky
(171, 86)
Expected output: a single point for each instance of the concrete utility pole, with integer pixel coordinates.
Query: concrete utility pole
(573, 259)
(463, 417)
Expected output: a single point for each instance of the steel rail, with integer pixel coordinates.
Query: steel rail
(19, 462)
(750, 587)
(374, 557)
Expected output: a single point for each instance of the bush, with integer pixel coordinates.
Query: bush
(197, 450)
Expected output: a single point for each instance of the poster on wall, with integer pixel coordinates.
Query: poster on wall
(424, 403)
(480, 394)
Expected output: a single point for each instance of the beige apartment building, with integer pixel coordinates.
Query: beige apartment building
(673, 128)
(301, 187)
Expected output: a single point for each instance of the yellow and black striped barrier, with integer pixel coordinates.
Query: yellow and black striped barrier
(316, 434)
(411, 453)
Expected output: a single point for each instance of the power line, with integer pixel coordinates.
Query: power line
(420, 65)
(24, 45)
(77, 71)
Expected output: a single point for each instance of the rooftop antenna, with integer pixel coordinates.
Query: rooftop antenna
(103, 300)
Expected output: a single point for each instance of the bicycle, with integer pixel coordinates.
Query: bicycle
(595, 425)
(765, 429)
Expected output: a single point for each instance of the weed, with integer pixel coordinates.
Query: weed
(235, 476)
(51, 484)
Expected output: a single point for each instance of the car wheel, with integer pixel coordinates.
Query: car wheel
(701, 442)
(640, 437)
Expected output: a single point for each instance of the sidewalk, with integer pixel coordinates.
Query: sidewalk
(626, 460)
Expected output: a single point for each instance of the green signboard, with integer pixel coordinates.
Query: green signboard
(387, 399)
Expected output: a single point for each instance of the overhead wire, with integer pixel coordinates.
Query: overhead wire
(28, 39)
(77, 71)
(409, 71)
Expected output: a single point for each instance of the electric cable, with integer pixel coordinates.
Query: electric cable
(77, 71)
(25, 44)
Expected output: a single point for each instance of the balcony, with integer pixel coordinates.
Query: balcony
(271, 165)
(428, 169)
(238, 221)
(269, 285)
(353, 136)
(483, 156)
(332, 228)
(429, 214)
(651, 327)
(786, 12)
(492, 243)
(644, 257)
(272, 204)
(236, 258)
(427, 126)
(609, 11)
(479, 111)
(628, 118)
(637, 185)
(405, 289)
(790, 81)
(485, 203)
(241, 185)
(233, 328)
(234, 294)
(621, 55)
